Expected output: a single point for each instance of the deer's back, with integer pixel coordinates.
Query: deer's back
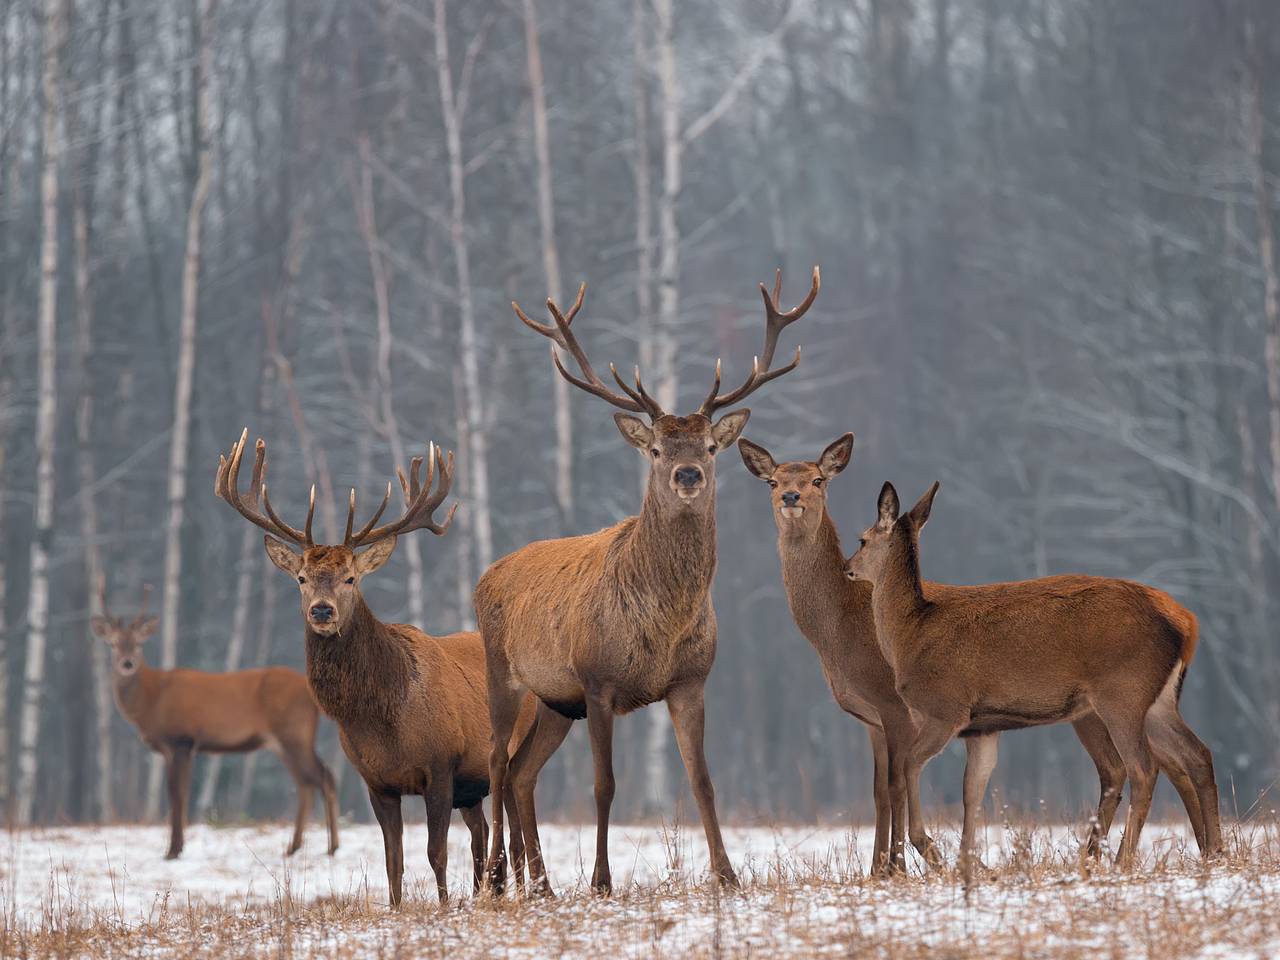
(235, 711)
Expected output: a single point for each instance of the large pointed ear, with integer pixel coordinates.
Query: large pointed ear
(757, 459)
(282, 556)
(836, 457)
(101, 627)
(378, 554)
(888, 505)
(145, 628)
(919, 514)
(634, 430)
(729, 427)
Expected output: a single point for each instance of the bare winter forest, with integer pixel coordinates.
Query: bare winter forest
(1050, 280)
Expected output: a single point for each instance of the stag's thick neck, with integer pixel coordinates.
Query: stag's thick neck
(361, 675)
(670, 554)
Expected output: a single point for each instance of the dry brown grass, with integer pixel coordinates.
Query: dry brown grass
(1036, 901)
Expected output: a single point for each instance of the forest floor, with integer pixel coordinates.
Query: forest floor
(106, 892)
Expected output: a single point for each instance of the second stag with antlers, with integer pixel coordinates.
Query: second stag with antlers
(603, 624)
(410, 708)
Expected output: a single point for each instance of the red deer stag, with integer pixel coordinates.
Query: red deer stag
(410, 708)
(835, 615)
(178, 713)
(975, 660)
(603, 624)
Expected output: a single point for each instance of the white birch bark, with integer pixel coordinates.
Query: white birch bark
(46, 421)
(550, 256)
(477, 468)
(187, 336)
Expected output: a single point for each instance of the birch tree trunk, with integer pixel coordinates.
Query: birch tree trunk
(46, 420)
(388, 424)
(187, 335)
(478, 467)
(550, 257)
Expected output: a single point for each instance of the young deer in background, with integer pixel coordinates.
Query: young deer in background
(410, 708)
(834, 613)
(603, 624)
(178, 713)
(975, 660)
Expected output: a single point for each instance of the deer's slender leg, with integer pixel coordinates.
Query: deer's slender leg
(1095, 739)
(899, 736)
(1178, 748)
(981, 753)
(439, 801)
(600, 731)
(688, 717)
(179, 777)
(306, 780)
(329, 791)
(547, 735)
(1125, 723)
(931, 736)
(473, 817)
(880, 855)
(504, 708)
(386, 807)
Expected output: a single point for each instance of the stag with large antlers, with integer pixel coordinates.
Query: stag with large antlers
(603, 624)
(179, 713)
(410, 708)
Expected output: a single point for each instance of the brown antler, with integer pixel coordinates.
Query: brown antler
(775, 322)
(142, 607)
(636, 399)
(420, 502)
(226, 487)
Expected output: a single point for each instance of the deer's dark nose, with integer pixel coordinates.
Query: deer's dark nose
(688, 476)
(790, 498)
(322, 612)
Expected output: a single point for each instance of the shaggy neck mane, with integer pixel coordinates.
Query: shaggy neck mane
(666, 559)
(362, 674)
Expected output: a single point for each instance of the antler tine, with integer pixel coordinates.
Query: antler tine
(639, 394)
(561, 335)
(227, 487)
(421, 500)
(354, 540)
(776, 320)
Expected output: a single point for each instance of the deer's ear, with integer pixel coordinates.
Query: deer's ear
(836, 457)
(101, 627)
(287, 559)
(634, 430)
(920, 512)
(729, 427)
(757, 458)
(377, 554)
(145, 628)
(888, 505)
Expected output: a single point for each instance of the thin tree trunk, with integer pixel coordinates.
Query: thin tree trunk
(644, 201)
(466, 557)
(478, 465)
(550, 257)
(46, 421)
(386, 415)
(658, 734)
(180, 438)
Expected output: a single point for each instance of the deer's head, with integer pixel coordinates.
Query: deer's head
(799, 487)
(892, 535)
(329, 576)
(681, 450)
(124, 637)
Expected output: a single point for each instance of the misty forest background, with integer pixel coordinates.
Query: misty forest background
(1046, 231)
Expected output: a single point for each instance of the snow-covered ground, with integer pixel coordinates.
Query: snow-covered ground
(805, 893)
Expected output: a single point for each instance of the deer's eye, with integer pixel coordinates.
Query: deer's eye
(656, 452)
(302, 579)
(817, 481)
(772, 483)
(862, 542)
(351, 579)
(712, 449)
